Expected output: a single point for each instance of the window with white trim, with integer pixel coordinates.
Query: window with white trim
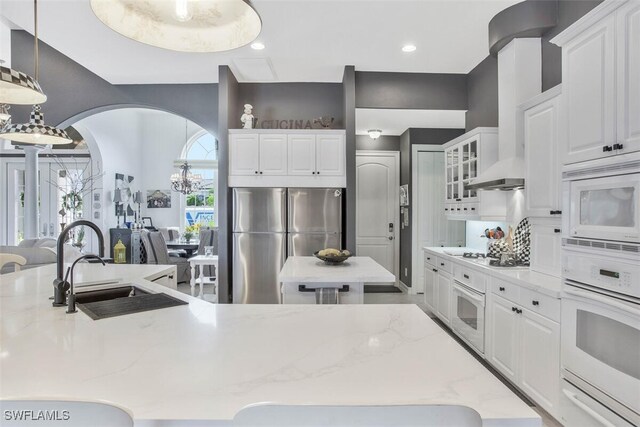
(201, 206)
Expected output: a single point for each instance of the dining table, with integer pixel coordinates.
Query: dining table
(189, 247)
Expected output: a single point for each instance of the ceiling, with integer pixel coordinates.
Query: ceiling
(306, 40)
(395, 122)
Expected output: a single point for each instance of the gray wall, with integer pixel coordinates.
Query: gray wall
(384, 143)
(292, 101)
(407, 139)
(411, 91)
(349, 109)
(569, 11)
(73, 92)
(482, 94)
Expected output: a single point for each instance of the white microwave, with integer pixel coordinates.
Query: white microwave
(601, 199)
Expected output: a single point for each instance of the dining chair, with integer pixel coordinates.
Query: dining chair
(208, 237)
(158, 253)
(262, 415)
(67, 413)
(17, 261)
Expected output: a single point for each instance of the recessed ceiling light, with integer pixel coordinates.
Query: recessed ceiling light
(409, 48)
(257, 46)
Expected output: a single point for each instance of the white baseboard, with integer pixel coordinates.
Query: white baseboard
(404, 287)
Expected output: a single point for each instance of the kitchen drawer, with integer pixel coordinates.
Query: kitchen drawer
(506, 290)
(544, 305)
(444, 265)
(430, 259)
(470, 277)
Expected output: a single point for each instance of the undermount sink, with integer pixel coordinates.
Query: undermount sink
(119, 301)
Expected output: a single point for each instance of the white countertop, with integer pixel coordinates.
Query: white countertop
(523, 276)
(205, 362)
(357, 269)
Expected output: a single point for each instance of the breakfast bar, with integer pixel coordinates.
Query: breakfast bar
(301, 276)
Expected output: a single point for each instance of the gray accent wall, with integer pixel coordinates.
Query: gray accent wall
(482, 94)
(292, 101)
(419, 91)
(407, 139)
(349, 108)
(73, 92)
(384, 143)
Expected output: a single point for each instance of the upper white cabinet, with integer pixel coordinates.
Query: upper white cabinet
(542, 148)
(303, 158)
(244, 154)
(302, 154)
(601, 89)
(330, 155)
(465, 158)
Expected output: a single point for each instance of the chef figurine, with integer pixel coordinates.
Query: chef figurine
(247, 117)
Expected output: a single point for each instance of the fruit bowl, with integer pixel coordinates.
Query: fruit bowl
(332, 259)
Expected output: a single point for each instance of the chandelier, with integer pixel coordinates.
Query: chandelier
(184, 181)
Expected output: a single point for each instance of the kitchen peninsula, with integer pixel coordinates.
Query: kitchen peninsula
(206, 362)
(301, 275)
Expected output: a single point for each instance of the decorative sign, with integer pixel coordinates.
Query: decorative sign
(286, 124)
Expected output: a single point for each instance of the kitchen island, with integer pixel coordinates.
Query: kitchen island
(203, 362)
(302, 275)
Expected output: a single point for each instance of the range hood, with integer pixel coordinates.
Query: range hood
(519, 79)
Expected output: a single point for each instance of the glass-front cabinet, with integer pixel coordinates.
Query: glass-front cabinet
(465, 158)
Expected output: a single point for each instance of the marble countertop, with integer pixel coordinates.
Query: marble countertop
(523, 276)
(357, 269)
(205, 362)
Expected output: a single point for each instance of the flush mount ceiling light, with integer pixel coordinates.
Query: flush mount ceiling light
(182, 25)
(35, 132)
(374, 133)
(257, 46)
(408, 48)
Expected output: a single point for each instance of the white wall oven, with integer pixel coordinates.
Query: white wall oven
(601, 337)
(467, 314)
(603, 198)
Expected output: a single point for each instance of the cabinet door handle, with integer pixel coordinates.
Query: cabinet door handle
(446, 209)
(465, 209)
(428, 258)
(260, 172)
(458, 209)
(466, 276)
(435, 270)
(473, 209)
(534, 302)
(256, 172)
(171, 276)
(518, 311)
(556, 230)
(458, 200)
(618, 146)
(514, 309)
(501, 288)
(317, 173)
(607, 148)
(442, 264)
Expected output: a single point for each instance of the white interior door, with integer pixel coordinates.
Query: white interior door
(377, 207)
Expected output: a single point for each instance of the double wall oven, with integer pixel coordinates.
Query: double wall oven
(601, 293)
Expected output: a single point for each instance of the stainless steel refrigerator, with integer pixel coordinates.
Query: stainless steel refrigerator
(314, 220)
(270, 224)
(259, 244)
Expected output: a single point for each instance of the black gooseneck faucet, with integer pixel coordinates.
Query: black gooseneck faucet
(71, 306)
(60, 284)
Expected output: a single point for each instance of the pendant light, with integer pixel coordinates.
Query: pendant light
(184, 181)
(35, 131)
(182, 25)
(19, 88)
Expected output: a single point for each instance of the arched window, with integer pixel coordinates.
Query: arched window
(201, 207)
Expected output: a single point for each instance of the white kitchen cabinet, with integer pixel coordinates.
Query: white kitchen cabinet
(302, 154)
(524, 345)
(443, 295)
(244, 154)
(503, 333)
(600, 65)
(546, 245)
(330, 155)
(465, 158)
(287, 158)
(540, 359)
(542, 149)
(430, 290)
(628, 70)
(273, 154)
